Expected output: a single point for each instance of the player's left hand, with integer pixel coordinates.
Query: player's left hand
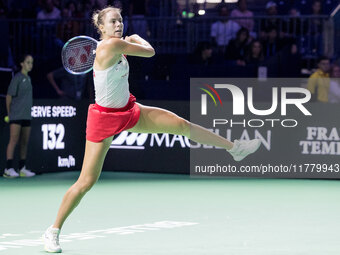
(129, 39)
(132, 38)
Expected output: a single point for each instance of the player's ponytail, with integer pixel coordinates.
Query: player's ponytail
(95, 19)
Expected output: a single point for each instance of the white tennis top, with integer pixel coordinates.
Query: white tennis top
(111, 85)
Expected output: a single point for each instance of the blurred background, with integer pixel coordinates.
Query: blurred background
(192, 38)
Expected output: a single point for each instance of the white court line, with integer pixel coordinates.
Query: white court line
(93, 234)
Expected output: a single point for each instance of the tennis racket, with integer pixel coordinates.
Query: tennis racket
(78, 54)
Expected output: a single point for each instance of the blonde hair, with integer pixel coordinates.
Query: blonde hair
(99, 15)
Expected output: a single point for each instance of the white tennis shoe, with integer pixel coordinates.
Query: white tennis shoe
(242, 149)
(51, 240)
(10, 173)
(26, 173)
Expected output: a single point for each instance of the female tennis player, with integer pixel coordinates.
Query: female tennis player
(116, 110)
(19, 103)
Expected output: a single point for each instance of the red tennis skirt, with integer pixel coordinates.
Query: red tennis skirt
(103, 122)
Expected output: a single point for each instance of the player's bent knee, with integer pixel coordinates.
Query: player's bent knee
(184, 126)
(85, 185)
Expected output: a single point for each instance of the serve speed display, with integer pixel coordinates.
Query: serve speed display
(58, 131)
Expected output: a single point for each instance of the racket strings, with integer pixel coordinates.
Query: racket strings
(77, 44)
(78, 55)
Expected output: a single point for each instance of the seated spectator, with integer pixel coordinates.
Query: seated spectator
(237, 48)
(223, 30)
(334, 86)
(274, 44)
(294, 25)
(80, 10)
(318, 82)
(315, 27)
(241, 12)
(202, 54)
(72, 8)
(271, 22)
(317, 7)
(255, 53)
(49, 11)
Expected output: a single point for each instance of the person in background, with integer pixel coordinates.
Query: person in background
(334, 86)
(273, 44)
(315, 26)
(19, 102)
(202, 54)
(49, 11)
(318, 82)
(223, 30)
(255, 56)
(241, 12)
(271, 21)
(67, 85)
(255, 53)
(237, 48)
(294, 25)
